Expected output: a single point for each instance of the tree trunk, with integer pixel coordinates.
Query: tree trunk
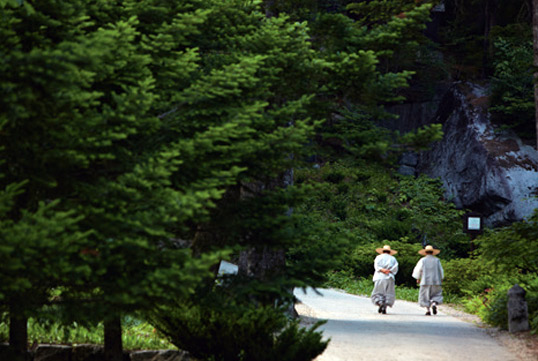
(261, 262)
(18, 335)
(535, 62)
(113, 343)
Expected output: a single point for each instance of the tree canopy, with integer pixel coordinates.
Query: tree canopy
(145, 140)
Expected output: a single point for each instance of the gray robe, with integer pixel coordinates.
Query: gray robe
(430, 273)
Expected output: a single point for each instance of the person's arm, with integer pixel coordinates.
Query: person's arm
(417, 271)
(441, 269)
(377, 268)
(394, 268)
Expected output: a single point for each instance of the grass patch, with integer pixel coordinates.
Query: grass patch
(137, 335)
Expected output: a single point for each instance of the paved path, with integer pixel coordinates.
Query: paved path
(359, 333)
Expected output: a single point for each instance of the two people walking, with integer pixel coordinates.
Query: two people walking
(428, 272)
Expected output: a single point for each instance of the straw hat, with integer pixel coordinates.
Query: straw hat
(429, 248)
(386, 248)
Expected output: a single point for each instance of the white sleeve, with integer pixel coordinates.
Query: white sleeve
(417, 271)
(376, 264)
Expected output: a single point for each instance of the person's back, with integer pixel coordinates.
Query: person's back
(432, 272)
(385, 261)
(429, 273)
(386, 266)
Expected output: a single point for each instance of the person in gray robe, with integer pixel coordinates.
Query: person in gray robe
(429, 274)
(386, 267)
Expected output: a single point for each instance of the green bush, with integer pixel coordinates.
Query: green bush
(344, 280)
(496, 312)
(512, 86)
(218, 327)
(361, 261)
(490, 299)
(464, 276)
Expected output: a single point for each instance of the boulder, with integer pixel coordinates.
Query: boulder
(482, 168)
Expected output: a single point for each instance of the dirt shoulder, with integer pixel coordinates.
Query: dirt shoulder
(522, 344)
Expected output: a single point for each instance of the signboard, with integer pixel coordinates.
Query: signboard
(473, 223)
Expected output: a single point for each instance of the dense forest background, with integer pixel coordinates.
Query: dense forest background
(144, 141)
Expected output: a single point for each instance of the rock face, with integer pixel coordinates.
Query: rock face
(482, 169)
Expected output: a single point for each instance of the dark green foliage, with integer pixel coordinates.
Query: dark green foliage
(221, 325)
(465, 276)
(506, 256)
(495, 300)
(368, 207)
(361, 261)
(135, 124)
(41, 250)
(467, 29)
(512, 248)
(512, 86)
(373, 206)
(304, 263)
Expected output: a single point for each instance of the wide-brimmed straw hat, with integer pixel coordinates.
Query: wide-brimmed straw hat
(429, 248)
(386, 248)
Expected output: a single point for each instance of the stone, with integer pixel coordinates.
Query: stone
(518, 316)
(88, 352)
(482, 168)
(52, 353)
(143, 355)
(163, 355)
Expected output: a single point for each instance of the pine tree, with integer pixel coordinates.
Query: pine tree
(78, 97)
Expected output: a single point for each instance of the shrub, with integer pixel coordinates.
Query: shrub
(218, 327)
(512, 248)
(361, 261)
(491, 303)
(464, 276)
(512, 86)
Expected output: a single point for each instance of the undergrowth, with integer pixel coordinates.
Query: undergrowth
(137, 335)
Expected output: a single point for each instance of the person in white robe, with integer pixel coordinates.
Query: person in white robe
(429, 274)
(386, 267)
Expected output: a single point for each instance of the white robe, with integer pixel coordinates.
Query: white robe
(384, 289)
(385, 261)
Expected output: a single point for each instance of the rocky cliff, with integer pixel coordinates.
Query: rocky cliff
(482, 168)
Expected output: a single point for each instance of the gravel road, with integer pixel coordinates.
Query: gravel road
(358, 332)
